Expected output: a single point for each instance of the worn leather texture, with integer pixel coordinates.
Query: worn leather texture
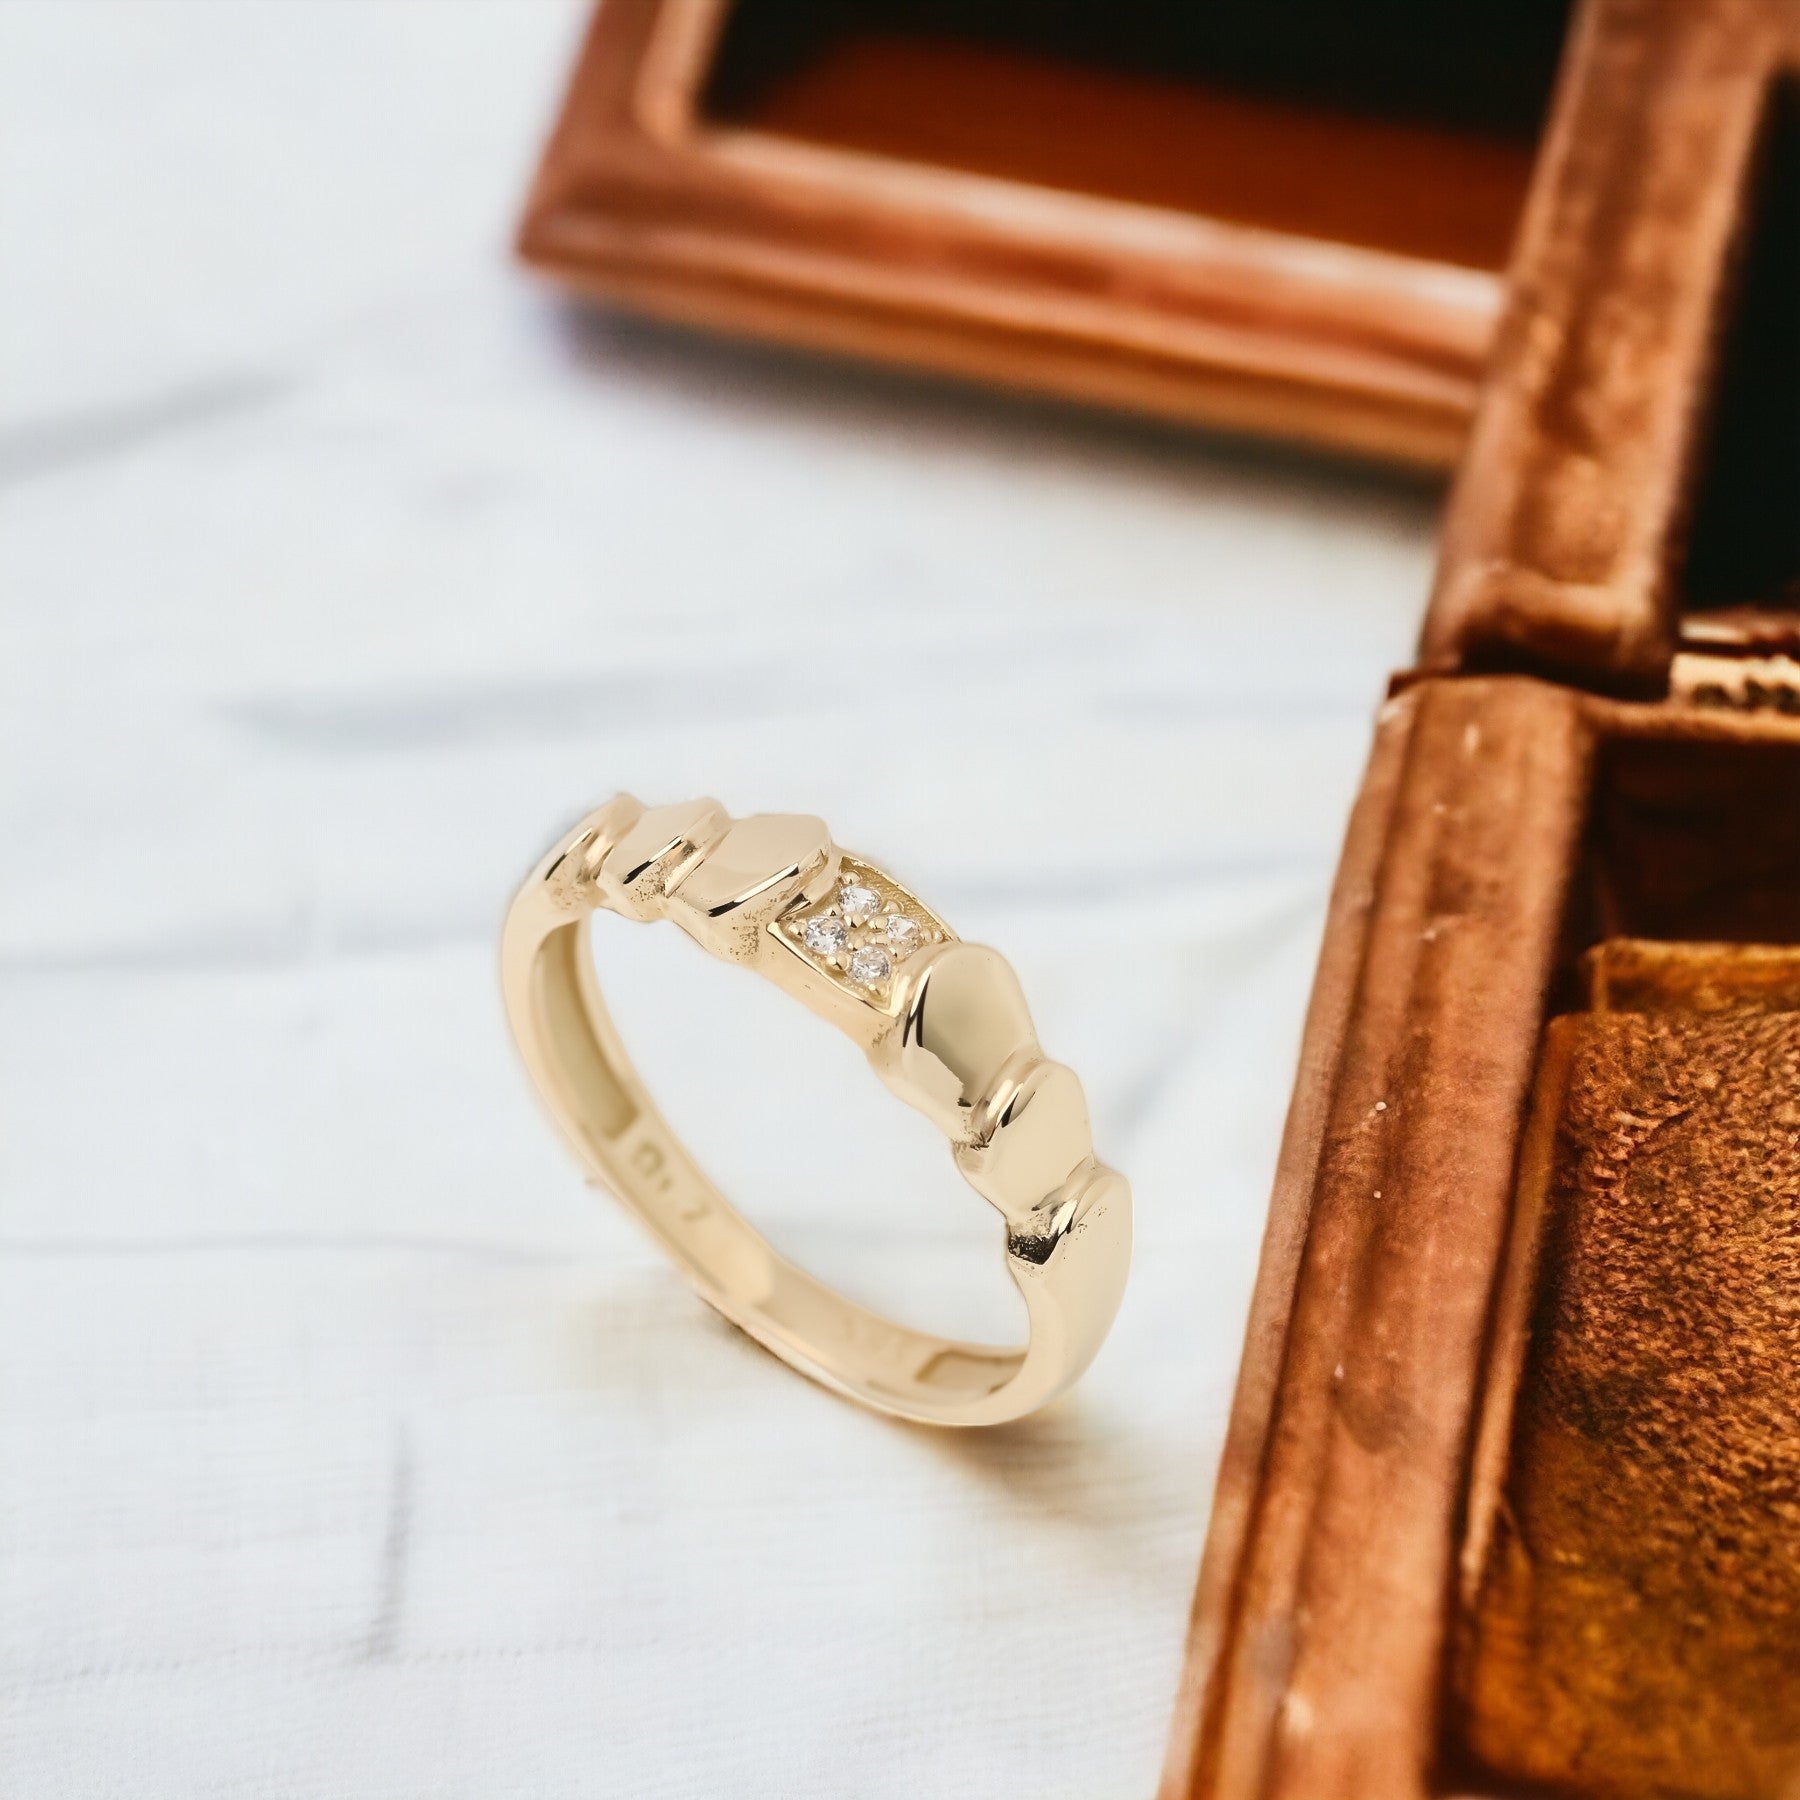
(1637, 1629)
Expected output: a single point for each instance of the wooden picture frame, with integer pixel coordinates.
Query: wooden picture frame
(646, 198)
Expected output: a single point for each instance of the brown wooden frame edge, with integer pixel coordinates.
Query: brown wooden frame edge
(639, 200)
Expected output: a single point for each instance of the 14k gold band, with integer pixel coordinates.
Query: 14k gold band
(943, 1023)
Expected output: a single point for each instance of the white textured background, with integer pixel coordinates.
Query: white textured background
(348, 1445)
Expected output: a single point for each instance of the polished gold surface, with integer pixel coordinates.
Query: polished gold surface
(945, 1026)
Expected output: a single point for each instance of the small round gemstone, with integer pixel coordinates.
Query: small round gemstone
(860, 903)
(870, 967)
(825, 936)
(902, 933)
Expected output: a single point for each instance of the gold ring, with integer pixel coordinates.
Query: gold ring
(944, 1024)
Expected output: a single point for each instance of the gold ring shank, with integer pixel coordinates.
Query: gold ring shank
(943, 1024)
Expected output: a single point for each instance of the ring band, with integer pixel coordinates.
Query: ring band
(943, 1023)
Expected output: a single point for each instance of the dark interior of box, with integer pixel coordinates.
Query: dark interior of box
(1687, 842)
(1403, 125)
(1745, 541)
(1697, 842)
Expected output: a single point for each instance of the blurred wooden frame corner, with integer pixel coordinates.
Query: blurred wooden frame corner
(643, 199)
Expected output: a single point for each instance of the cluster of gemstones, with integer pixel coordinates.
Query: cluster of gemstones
(862, 932)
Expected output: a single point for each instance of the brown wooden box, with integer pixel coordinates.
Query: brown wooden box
(1511, 1498)
(1283, 215)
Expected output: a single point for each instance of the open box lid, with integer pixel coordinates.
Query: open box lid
(1628, 510)
(1290, 219)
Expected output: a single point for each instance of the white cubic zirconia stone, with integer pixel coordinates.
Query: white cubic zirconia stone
(902, 933)
(870, 967)
(860, 903)
(825, 936)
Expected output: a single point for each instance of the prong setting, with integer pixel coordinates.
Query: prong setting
(863, 931)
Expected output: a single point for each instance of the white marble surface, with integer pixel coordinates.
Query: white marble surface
(348, 1445)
